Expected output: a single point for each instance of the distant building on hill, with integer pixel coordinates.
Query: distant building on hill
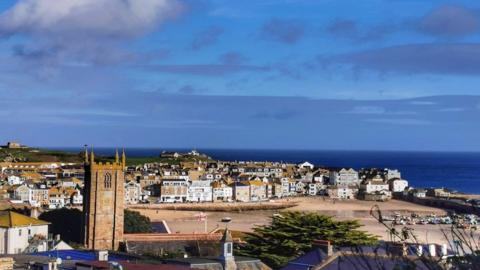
(166, 154)
(13, 145)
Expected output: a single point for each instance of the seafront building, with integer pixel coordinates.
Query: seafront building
(344, 177)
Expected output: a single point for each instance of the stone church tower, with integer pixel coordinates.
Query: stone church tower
(103, 202)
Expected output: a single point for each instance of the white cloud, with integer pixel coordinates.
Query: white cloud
(400, 121)
(452, 110)
(87, 18)
(419, 102)
(367, 110)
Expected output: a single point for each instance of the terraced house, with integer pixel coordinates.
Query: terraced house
(173, 190)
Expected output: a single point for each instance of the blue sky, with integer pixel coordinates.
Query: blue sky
(303, 74)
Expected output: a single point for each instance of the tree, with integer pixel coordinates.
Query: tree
(134, 222)
(291, 234)
(66, 222)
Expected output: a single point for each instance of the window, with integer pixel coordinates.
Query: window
(229, 248)
(108, 181)
(20, 232)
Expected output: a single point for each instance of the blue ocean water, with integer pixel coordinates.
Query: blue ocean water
(453, 170)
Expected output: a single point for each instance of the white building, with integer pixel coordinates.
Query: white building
(344, 177)
(318, 177)
(419, 193)
(14, 180)
(56, 200)
(391, 174)
(16, 232)
(312, 189)
(342, 192)
(288, 187)
(300, 187)
(374, 185)
(306, 165)
(222, 192)
(173, 190)
(23, 193)
(200, 191)
(133, 191)
(39, 196)
(398, 185)
(77, 198)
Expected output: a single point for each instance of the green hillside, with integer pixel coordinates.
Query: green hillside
(38, 155)
(45, 155)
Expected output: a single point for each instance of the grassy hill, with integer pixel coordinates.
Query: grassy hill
(45, 155)
(38, 155)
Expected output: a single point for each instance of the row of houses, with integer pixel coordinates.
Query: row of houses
(58, 196)
(253, 190)
(181, 190)
(55, 185)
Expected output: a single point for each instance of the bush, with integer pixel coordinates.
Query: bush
(68, 223)
(134, 222)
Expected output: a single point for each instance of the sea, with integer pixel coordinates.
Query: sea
(459, 171)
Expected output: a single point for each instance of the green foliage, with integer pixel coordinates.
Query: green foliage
(66, 222)
(292, 234)
(467, 261)
(134, 222)
(38, 155)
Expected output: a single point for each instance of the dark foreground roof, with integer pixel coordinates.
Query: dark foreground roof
(100, 265)
(243, 263)
(83, 255)
(360, 258)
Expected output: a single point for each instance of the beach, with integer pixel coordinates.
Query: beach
(187, 222)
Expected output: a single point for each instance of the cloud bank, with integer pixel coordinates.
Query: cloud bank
(430, 58)
(449, 21)
(87, 18)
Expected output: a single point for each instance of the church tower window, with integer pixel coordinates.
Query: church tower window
(108, 181)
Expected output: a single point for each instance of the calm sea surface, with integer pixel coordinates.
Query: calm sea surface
(458, 171)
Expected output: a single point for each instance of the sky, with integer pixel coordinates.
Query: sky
(264, 74)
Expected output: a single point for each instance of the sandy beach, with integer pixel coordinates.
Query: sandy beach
(186, 222)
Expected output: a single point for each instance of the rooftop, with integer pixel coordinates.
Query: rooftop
(10, 219)
(132, 266)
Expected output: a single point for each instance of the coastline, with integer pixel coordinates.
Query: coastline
(423, 169)
(185, 221)
(218, 206)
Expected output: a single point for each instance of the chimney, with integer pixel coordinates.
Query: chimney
(444, 250)
(419, 250)
(324, 245)
(432, 250)
(101, 255)
(34, 213)
(398, 249)
(57, 238)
